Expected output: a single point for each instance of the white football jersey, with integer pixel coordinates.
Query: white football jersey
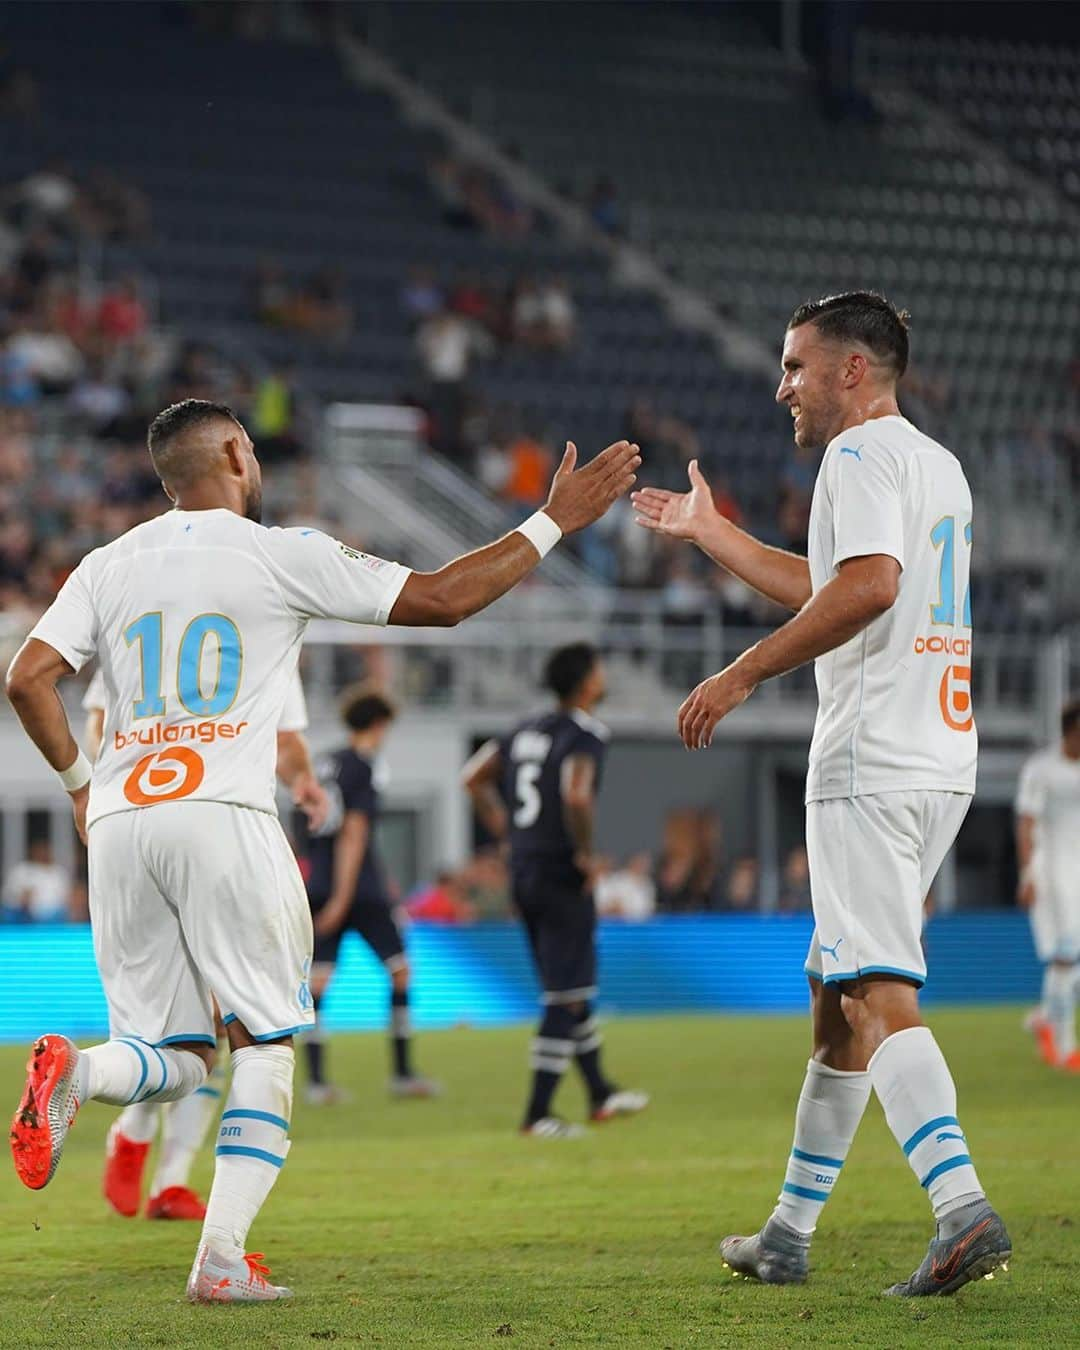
(196, 619)
(894, 703)
(1050, 792)
(294, 715)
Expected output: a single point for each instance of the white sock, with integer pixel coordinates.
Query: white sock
(252, 1144)
(1044, 1002)
(831, 1105)
(186, 1124)
(128, 1070)
(1061, 1008)
(918, 1094)
(138, 1122)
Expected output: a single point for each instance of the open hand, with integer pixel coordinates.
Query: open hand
(710, 702)
(580, 496)
(683, 515)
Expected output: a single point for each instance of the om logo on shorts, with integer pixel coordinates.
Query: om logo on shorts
(165, 776)
(955, 698)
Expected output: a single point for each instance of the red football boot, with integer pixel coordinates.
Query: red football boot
(124, 1163)
(175, 1202)
(48, 1106)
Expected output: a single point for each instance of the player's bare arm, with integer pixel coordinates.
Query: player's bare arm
(577, 787)
(349, 850)
(578, 497)
(779, 576)
(31, 684)
(296, 771)
(862, 590)
(480, 779)
(1025, 853)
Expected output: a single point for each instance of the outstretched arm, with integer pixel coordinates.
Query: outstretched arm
(471, 583)
(781, 577)
(862, 589)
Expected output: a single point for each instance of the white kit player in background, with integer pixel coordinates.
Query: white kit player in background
(882, 607)
(184, 1123)
(1048, 851)
(196, 619)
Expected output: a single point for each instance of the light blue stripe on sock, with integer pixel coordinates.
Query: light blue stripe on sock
(164, 1073)
(818, 1158)
(947, 1166)
(208, 1092)
(929, 1128)
(805, 1192)
(124, 1040)
(256, 1115)
(235, 1150)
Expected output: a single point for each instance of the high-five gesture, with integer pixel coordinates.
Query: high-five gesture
(683, 515)
(580, 496)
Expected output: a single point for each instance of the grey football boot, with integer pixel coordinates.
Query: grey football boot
(973, 1253)
(776, 1255)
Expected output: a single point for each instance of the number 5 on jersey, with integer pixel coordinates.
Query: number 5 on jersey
(149, 632)
(528, 796)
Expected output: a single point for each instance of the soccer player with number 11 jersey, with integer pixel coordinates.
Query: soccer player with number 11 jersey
(883, 609)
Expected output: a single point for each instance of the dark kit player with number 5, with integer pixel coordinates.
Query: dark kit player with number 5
(537, 788)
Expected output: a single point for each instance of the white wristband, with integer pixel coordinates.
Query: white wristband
(77, 774)
(541, 531)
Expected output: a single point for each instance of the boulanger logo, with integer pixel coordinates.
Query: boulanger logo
(165, 776)
(954, 696)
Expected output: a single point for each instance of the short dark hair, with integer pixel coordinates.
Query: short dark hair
(1070, 715)
(568, 668)
(860, 316)
(362, 706)
(176, 421)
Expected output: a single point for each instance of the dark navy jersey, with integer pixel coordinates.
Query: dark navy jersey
(349, 783)
(531, 784)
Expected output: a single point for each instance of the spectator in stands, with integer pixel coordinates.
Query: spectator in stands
(121, 315)
(741, 892)
(97, 401)
(37, 890)
(48, 196)
(421, 296)
(322, 308)
(604, 206)
(273, 415)
(446, 344)
(795, 882)
(627, 892)
(273, 298)
(542, 315)
(531, 465)
(445, 901)
(53, 361)
(686, 873)
(18, 388)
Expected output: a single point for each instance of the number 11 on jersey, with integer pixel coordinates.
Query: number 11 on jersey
(943, 536)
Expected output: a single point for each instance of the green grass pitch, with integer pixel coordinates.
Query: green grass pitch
(405, 1224)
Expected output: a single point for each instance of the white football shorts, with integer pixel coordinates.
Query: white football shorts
(189, 897)
(872, 862)
(1055, 923)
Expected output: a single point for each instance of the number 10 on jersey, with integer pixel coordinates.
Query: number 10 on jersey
(149, 632)
(943, 536)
